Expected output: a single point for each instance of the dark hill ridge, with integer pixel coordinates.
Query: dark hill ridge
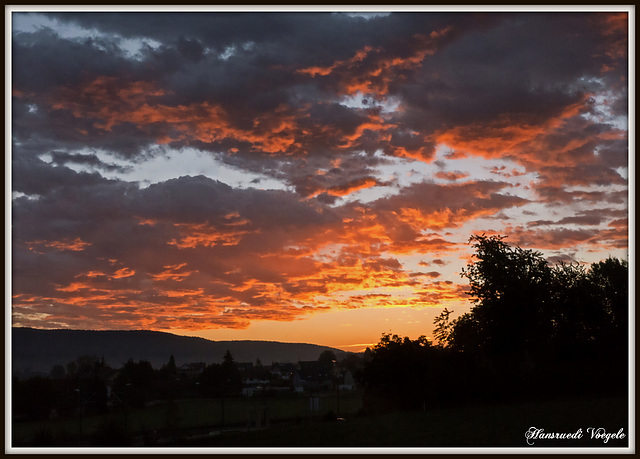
(37, 351)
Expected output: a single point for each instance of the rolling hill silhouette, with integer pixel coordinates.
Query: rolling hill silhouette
(37, 351)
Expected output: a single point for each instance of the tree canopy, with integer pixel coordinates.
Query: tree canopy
(535, 317)
(522, 304)
(531, 327)
(221, 379)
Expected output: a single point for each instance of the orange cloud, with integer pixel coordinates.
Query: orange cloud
(346, 189)
(356, 185)
(109, 102)
(74, 287)
(201, 234)
(359, 56)
(615, 29)
(440, 293)
(112, 102)
(591, 239)
(75, 245)
(440, 218)
(182, 293)
(124, 272)
(228, 265)
(505, 136)
(425, 153)
(172, 272)
(239, 270)
(371, 70)
(146, 221)
(282, 285)
(375, 124)
(451, 176)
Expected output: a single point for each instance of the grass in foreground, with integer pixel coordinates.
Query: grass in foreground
(475, 426)
(197, 424)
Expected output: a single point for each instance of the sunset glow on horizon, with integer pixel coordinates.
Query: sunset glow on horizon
(304, 177)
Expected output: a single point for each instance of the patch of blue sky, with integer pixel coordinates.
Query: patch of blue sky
(232, 50)
(359, 100)
(404, 172)
(32, 22)
(164, 163)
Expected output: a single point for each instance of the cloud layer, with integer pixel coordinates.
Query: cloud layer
(392, 139)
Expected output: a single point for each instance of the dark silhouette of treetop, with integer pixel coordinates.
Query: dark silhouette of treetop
(529, 317)
(510, 290)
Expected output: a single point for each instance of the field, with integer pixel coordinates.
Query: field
(473, 426)
(165, 421)
(289, 423)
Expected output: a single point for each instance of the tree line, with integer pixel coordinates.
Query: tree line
(88, 386)
(534, 330)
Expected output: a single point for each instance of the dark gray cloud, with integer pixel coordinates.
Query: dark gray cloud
(586, 217)
(466, 68)
(64, 62)
(326, 104)
(32, 176)
(60, 158)
(523, 70)
(319, 36)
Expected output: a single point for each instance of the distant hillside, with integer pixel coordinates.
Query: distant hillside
(37, 351)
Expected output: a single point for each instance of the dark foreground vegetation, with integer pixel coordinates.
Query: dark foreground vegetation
(185, 421)
(289, 423)
(90, 404)
(543, 346)
(476, 425)
(534, 331)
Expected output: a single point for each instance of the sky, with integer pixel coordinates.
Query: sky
(303, 176)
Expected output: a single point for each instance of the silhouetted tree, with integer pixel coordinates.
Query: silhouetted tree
(221, 379)
(85, 383)
(531, 321)
(211, 380)
(171, 366)
(444, 327)
(352, 363)
(134, 383)
(591, 323)
(510, 290)
(57, 372)
(327, 360)
(33, 398)
(610, 278)
(232, 378)
(260, 371)
(401, 373)
(167, 384)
